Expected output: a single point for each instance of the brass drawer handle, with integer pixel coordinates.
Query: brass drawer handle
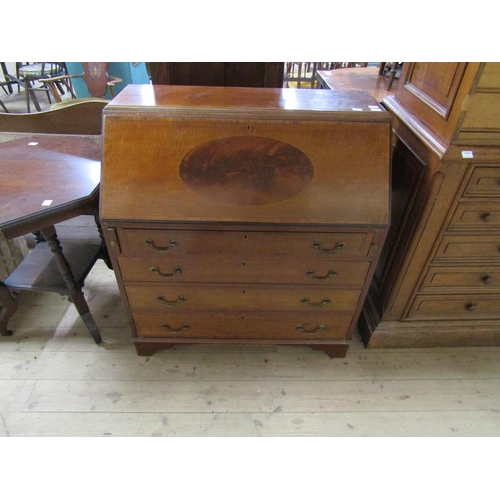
(307, 302)
(150, 243)
(166, 326)
(316, 329)
(322, 278)
(487, 280)
(335, 249)
(487, 217)
(471, 307)
(156, 271)
(171, 303)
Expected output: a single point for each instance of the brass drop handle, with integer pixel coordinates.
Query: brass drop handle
(471, 307)
(335, 249)
(322, 278)
(171, 303)
(307, 302)
(158, 273)
(316, 329)
(166, 326)
(150, 243)
(487, 280)
(487, 217)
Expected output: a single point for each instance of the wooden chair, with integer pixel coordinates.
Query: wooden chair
(77, 117)
(27, 74)
(389, 69)
(93, 83)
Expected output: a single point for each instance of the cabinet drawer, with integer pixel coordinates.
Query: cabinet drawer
(239, 298)
(484, 279)
(192, 270)
(305, 327)
(476, 216)
(235, 244)
(484, 181)
(455, 306)
(469, 248)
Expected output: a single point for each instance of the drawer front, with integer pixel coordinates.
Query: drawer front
(476, 217)
(455, 306)
(305, 327)
(484, 181)
(192, 270)
(469, 248)
(235, 244)
(483, 279)
(194, 298)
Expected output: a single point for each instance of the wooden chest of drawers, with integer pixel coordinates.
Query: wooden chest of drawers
(250, 216)
(437, 283)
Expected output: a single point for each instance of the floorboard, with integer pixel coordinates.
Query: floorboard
(55, 381)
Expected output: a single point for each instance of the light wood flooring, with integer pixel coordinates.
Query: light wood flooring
(54, 381)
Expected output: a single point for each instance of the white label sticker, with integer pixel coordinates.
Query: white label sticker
(46, 203)
(32, 143)
(467, 154)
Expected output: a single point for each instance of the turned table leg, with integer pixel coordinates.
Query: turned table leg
(74, 291)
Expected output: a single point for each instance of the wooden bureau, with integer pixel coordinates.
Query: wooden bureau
(244, 216)
(438, 280)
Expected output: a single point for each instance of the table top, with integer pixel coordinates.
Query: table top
(366, 79)
(46, 179)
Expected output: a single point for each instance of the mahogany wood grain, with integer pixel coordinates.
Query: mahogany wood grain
(439, 282)
(229, 74)
(45, 180)
(348, 79)
(75, 118)
(198, 182)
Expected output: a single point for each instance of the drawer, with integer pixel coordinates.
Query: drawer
(476, 217)
(483, 279)
(235, 244)
(438, 307)
(305, 327)
(239, 298)
(469, 248)
(192, 270)
(484, 181)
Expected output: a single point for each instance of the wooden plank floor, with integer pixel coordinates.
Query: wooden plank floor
(54, 381)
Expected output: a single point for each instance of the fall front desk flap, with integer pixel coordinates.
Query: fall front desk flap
(259, 155)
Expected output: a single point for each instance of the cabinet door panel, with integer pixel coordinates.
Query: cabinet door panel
(436, 84)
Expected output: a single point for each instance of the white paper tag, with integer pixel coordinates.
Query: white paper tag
(46, 203)
(467, 154)
(32, 143)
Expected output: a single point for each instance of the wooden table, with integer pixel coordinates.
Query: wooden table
(356, 79)
(45, 180)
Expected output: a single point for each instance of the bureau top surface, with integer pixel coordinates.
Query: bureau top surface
(175, 100)
(210, 154)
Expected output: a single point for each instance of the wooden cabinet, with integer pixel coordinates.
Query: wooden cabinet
(437, 279)
(246, 216)
(226, 74)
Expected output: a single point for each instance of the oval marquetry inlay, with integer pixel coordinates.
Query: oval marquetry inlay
(247, 170)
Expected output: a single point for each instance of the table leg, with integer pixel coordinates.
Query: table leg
(8, 307)
(74, 291)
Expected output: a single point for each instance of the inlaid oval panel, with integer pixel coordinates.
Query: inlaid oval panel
(247, 170)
